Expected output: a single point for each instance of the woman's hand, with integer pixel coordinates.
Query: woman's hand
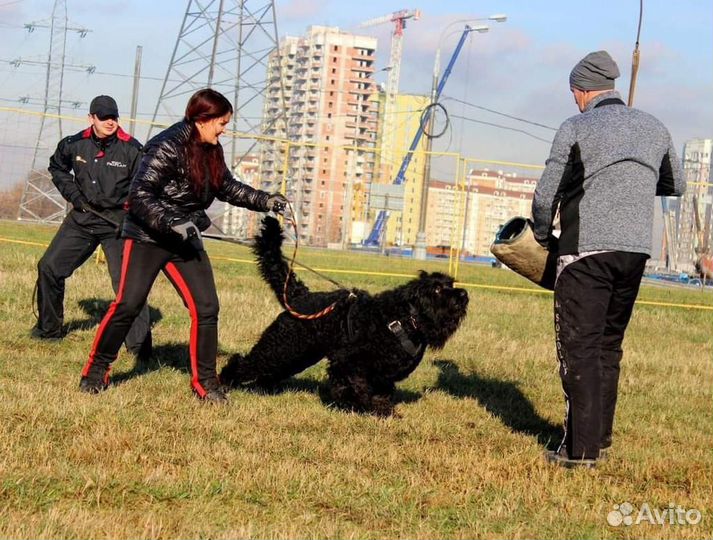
(189, 233)
(277, 203)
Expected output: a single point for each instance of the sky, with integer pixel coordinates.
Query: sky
(519, 68)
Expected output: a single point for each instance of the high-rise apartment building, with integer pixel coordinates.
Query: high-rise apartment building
(694, 232)
(323, 82)
(240, 222)
(471, 223)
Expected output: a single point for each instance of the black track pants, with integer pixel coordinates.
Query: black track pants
(70, 248)
(594, 298)
(192, 276)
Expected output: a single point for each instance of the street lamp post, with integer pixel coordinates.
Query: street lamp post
(420, 248)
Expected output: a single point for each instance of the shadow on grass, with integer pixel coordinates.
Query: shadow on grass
(173, 355)
(95, 308)
(320, 388)
(500, 398)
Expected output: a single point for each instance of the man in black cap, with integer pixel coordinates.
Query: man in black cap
(605, 167)
(92, 170)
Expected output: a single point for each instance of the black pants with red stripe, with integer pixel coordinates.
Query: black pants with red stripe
(594, 299)
(192, 276)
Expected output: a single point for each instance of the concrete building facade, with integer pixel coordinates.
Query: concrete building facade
(239, 222)
(690, 239)
(470, 218)
(322, 82)
(402, 226)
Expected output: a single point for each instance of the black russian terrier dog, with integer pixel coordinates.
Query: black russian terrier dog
(371, 341)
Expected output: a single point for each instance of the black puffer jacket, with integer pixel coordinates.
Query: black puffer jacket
(161, 193)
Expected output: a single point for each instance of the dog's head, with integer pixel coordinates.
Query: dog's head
(440, 307)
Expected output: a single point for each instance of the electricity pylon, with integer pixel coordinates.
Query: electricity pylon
(224, 45)
(40, 199)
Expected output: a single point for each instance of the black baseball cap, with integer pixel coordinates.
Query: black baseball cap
(104, 107)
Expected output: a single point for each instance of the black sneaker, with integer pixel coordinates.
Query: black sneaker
(96, 380)
(211, 392)
(215, 396)
(568, 463)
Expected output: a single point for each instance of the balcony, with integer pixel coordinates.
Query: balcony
(366, 69)
(368, 57)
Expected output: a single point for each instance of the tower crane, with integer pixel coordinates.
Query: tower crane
(374, 238)
(398, 18)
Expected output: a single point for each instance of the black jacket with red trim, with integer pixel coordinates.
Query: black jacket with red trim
(96, 170)
(162, 194)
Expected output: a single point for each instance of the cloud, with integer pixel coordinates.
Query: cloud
(299, 10)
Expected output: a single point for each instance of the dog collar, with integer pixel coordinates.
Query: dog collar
(397, 329)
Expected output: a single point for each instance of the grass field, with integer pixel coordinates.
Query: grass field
(463, 459)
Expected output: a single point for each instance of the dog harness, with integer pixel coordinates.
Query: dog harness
(396, 328)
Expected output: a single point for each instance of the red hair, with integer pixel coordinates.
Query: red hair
(205, 104)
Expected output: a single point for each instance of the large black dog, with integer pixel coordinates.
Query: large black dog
(371, 341)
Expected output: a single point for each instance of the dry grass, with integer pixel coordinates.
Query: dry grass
(463, 460)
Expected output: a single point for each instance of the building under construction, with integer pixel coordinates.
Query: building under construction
(326, 78)
(694, 234)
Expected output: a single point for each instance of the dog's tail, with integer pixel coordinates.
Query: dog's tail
(272, 265)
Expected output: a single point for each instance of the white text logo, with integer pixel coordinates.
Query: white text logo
(625, 514)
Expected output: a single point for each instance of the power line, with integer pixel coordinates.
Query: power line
(501, 127)
(502, 114)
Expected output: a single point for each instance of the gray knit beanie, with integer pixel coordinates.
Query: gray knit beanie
(596, 71)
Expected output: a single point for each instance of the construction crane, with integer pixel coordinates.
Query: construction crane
(398, 18)
(374, 238)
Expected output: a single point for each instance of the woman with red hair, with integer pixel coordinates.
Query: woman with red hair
(182, 171)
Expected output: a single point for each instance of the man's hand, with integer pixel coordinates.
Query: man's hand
(550, 243)
(189, 233)
(79, 203)
(277, 203)
(544, 242)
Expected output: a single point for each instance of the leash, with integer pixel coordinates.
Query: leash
(247, 243)
(110, 221)
(292, 311)
(293, 262)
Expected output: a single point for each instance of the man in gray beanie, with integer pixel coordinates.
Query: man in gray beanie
(605, 167)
